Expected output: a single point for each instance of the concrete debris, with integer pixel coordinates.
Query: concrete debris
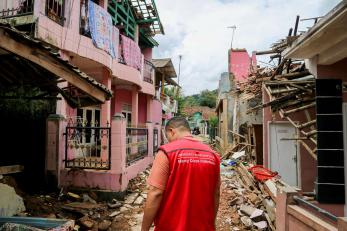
(115, 213)
(87, 198)
(245, 201)
(86, 222)
(10, 203)
(104, 225)
(260, 225)
(89, 211)
(131, 198)
(247, 221)
(257, 213)
(115, 204)
(139, 200)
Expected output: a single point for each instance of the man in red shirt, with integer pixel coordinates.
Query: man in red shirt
(183, 184)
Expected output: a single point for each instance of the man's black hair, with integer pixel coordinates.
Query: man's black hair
(178, 122)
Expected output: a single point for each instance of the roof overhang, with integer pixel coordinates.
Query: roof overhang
(327, 39)
(30, 61)
(165, 66)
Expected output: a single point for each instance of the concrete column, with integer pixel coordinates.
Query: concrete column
(225, 123)
(55, 148)
(106, 107)
(105, 114)
(150, 128)
(150, 108)
(118, 150)
(283, 199)
(134, 106)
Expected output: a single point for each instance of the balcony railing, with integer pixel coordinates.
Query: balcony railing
(88, 147)
(16, 8)
(148, 70)
(55, 10)
(136, 144)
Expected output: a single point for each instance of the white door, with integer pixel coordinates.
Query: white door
(283, 151)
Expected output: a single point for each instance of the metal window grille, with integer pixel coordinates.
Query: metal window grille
(55, 10)
(147, 72)
(136, 144)
(17, 8)
(87, 147)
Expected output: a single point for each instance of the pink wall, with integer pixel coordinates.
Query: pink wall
(148, 88)
(157, 111)
(334, 71)
(147, 53)
(142, 108)
(307, 164)
(121, 96)
(239, 63)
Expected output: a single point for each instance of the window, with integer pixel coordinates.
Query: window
(89, 121)
(126, 111)
(55, 10)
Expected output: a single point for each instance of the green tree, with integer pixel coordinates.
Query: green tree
(213, 121)
(208, 98)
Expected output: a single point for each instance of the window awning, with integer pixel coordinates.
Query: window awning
(24, 60)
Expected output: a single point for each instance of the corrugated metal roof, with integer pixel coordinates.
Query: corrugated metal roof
(51, 52)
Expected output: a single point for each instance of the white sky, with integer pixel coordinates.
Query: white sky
(196, 29)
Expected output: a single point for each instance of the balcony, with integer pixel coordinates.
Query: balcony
(148, 71)
(16, 8)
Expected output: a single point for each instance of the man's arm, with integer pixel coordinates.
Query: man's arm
(157, 182)
(152, 206)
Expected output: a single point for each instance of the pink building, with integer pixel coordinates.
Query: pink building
(240, 63)
(104, 138)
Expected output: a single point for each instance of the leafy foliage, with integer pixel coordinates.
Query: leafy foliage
(213, 121)
(205, 98)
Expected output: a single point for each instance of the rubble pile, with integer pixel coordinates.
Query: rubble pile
(246, 204)
(85, 208)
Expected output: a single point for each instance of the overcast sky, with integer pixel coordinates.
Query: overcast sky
(197, 29)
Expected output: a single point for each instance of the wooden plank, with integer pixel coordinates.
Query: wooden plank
(285, 113)
(45, 60)
(11, 169)
(309, 219)
(247, 178)
(271, 189)
(308, 149)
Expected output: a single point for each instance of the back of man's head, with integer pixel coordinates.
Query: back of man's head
(179, 123)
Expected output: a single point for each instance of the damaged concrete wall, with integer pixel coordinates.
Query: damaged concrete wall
(10, 203)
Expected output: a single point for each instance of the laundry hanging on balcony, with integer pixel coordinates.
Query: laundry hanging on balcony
(131, 52)
(101, 29)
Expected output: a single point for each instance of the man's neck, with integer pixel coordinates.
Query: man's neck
(184, 134)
